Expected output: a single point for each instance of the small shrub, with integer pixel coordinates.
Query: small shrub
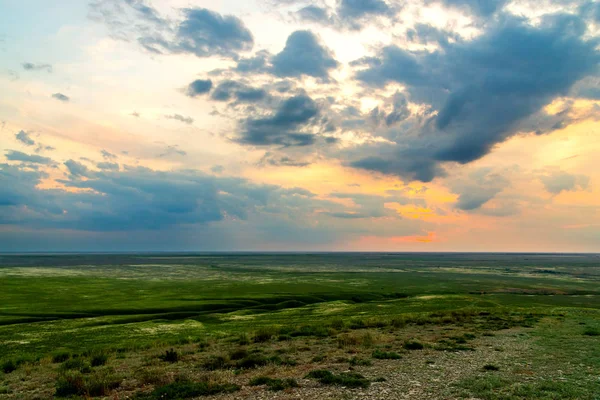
(215, 362)
(380, 379)
(338, 324)
(284, 338)
(243, 339)
(318, 358)
(76, 364)
(413, 345)
(74, 384)
(385, 355)
(263, 335)
(252, 361)
(591, 332)
(347, 379)
(398, 323)
(490, 367)
(186, 390)
(360, 362)
(238, 354)
(99, 360)
(357, 324)
(170, 356)
(9, 366)
(274, 384)
(60, 357)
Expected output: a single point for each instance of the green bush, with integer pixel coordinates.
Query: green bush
(186, 390)
(263, 335)
(170, 356)
(490, 367)
(591, 332)
(252, 361)
(385, 355)
(9, 366)
(99, 360)
(274, 384)
(60, 357)
(347, 379)
(238, 354)
(216, 362)
(77, 364)
(413, 345)
(74, 384)
(357, 361)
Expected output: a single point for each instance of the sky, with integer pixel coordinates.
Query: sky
(291, 125)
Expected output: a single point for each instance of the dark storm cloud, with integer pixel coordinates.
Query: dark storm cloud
(198, 87)
(13, 155)
(304, 55)
(425, 34)
(61, 97)
(204, 33)
(138, 198)
(559, 181)
(284, 126)
(37, 67)
(482, 89)
(24, 138)
(233, 90)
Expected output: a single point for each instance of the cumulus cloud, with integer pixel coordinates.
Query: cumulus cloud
(557, 182)
(481, 186)
(304, 55)
(480, 92)
(61, 97)
(198, 87)
(25, 138)
(76, 169)
(284, 127)
(240, 92)
(13, 155)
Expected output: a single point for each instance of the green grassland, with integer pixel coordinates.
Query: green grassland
(528, 315)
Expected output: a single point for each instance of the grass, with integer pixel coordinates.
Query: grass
(81, 318)
(187, 390)
(274, 384)
(346, 379)
(386, 355)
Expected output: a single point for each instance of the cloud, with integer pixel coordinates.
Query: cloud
(557, 182)
(282, 161)
(172, 150)
(37, 67)
(61, 97)
(360, 8)
(108, 166)
(480, 92)
(314, 13)
(107, 155)
(203, 33)
(198, 87)
(481, 186)
(77, 169)
(304, 55)
(477, 7)
(242, 93)
(284, 127)
(24, 138)
(13, 155)
(181, 118)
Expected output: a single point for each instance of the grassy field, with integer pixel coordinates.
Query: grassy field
(486, 326)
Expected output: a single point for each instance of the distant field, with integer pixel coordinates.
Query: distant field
(534, 317)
